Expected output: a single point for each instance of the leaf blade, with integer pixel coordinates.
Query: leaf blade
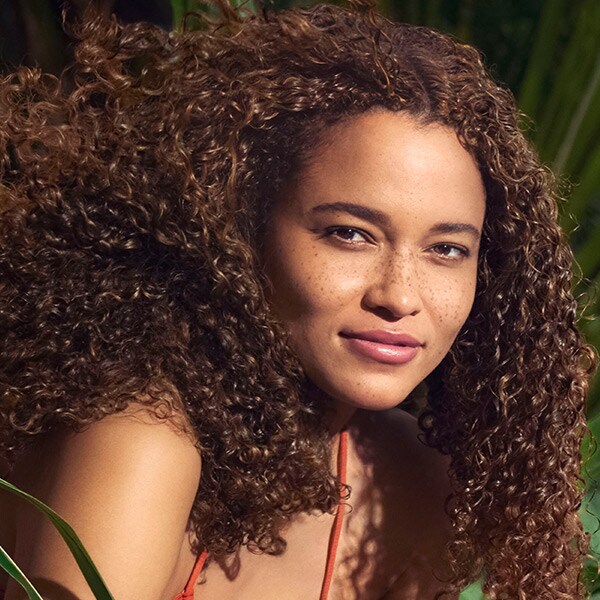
(11, 567)
(80, 554)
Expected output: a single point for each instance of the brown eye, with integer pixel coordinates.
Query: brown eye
(450, 251)
(348, 234)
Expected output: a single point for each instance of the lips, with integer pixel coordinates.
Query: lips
(383, 346)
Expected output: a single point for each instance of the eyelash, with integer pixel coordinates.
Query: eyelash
(464, 252)
(335, 231)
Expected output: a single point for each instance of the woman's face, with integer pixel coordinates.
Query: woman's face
(372, 255)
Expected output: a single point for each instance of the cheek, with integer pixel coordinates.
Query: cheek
(291, 278)
(306, 285)
(451, 304)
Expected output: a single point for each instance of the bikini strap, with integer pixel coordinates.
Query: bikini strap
(189, 587)
(336, 530)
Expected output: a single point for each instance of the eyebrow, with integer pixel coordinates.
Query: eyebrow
(380, 218)
(457, 228)
(356, 210)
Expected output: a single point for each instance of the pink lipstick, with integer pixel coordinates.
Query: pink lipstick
(387, 347)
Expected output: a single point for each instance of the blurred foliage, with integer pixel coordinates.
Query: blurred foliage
(546, 51)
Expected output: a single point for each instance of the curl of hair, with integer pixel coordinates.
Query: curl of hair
(133, 204)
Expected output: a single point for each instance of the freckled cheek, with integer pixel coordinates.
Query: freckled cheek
(326, 293)
(451, 304)
(316, 286)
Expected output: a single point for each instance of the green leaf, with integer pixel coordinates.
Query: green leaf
(541, 60)
(587, 136)
(473, 592)
(87, 567)
(583, 107)
(178, 10)
(588, 256)
(589, 185)
(589, 575)
(590, 509)
(9, 565)
(574, 72)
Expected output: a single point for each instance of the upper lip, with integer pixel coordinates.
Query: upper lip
(395, 338)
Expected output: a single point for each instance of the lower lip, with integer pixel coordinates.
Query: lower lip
(383, 353)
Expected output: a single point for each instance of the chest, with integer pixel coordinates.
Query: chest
(369, 556)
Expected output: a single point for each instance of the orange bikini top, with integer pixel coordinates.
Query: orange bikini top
(334, 536)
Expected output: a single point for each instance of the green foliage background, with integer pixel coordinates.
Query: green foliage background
(546, 51)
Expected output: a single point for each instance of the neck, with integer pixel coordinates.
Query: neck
(338, 413)
(341, 415)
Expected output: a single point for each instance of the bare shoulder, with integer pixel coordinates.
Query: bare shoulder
(141, 433)
(127, 484)
(119, 446)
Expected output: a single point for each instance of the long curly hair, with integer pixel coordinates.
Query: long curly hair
(135, 192)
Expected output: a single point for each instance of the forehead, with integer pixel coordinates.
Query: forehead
(392, 161)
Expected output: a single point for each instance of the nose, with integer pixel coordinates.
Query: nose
(394, 290)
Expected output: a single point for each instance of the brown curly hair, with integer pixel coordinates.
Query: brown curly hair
(135, 191)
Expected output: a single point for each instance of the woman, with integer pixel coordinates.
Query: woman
(226, 256)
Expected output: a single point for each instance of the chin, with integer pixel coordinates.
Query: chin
(379, 404)
(374, 398)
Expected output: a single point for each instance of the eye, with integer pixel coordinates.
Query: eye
(349, 235)
(450, 251)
